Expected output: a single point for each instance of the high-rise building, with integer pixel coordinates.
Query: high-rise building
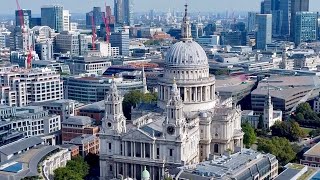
(52, 16)
(71, 42)
(251, 24)
(264, 33)
(97, 17)
(266, 7)
(306, 24)
(285, 8)
(123, 11)
(121, 39)
(26, 17)
(297, 6)
(66, 20)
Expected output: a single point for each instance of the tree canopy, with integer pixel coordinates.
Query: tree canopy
(288, 129)
(249, 137)
(278, 146)
(305, 116)
(133, 98)
(76, 169)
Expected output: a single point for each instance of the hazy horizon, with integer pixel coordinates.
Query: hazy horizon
(82, 6)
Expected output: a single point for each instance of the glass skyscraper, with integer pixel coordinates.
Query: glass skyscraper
(297, 6)
(52, 16)
(306, 24)
(264, 33)
(123, 11)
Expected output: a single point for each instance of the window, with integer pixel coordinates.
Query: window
(170, 152)
(109, 146)
(110, 167)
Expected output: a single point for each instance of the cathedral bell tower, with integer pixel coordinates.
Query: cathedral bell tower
(268, 110)
(175, 121)
(114, 120)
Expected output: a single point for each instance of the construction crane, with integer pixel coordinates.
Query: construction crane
(93, 33)
(24, 34)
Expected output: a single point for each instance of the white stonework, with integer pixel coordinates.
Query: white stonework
(190, 125)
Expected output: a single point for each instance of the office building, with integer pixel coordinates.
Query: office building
(87, 143)
(251, 24)
(90, 89)
(77, 126)
(66, 20)
(264, 33)
(26, 18)
(246, 164)
(98, 17)
(52, 16)
(312, 156)
(43, 33)
(210, 40)
(32, 155)
(63, 107)
(297, 6)
(123, 11)
(306, 27)
(19, 87)
(234, 38)
(21, 58)
(283, 16)
(87, 64)
(35, 21)
(286, 92)
(121, 40)
(44, 50)
(179, 130)
(266, 7)
(21, 40)
(72, 43)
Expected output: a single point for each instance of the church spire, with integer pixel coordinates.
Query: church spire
(144, 81)
(186, 26)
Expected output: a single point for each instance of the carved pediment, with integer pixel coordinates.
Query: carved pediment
(137, 135)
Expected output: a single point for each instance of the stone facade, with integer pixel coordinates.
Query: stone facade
(191, 123)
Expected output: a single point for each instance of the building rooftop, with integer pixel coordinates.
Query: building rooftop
(223, 166)
(20, 145)
(85, 138)
(79, 120)
(314, 151)
(25, 164)
(97, 106)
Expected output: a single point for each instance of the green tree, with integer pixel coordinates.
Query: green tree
(76, 169)
(260, 123)
(65, 173)
(249, 135)
(31, 178)
(288, 129)
(133, 98)
(280, 147)
(78, 166)
(315, 132)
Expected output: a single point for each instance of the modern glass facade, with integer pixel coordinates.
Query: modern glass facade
(52, 16)
(264, 33)
(306, 24)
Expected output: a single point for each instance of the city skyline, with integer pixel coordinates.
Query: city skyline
(163, 5)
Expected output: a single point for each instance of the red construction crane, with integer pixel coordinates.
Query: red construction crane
(93, 33)
(29, 58)
(24, 33)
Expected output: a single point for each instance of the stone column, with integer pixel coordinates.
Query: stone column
(196, 94)
(134, 149)
(201, 89)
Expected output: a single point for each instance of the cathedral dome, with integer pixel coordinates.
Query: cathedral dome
(186, 53)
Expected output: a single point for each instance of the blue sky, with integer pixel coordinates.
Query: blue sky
(80, 6)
